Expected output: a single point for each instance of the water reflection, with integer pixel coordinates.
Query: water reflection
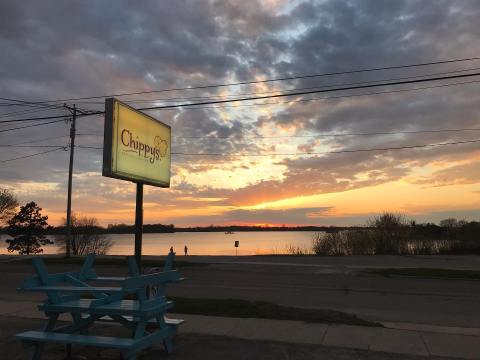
(250, 243)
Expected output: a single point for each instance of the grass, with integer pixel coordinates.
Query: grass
(261, 309)
(428, 273)
(112, 261)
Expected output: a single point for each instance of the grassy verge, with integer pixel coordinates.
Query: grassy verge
(261, 309)
(112, 261)
(428, 273)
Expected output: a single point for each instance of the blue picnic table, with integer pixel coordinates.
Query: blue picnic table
(72, 293)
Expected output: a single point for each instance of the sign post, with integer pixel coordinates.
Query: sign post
(236, 246)
(139, 223)
(136, 148)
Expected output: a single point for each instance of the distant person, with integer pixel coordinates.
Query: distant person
(171, 249)
(186, 250)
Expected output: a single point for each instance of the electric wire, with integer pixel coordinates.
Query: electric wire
(41, 140)
(310, 92)
(185, 105)
(268, 80)
(332, 134)
(31, 155)
(32, 125)
(374, 93)
(215, 97)
(30, 146)
(310, 152)
(213, 137)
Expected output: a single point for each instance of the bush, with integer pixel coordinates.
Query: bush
(393, 234)
(297, 250)
(390, 233)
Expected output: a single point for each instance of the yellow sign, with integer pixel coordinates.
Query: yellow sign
(136, 146)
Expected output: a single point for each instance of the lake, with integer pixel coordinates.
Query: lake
(203, 243)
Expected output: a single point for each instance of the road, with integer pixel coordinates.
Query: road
(315, 282)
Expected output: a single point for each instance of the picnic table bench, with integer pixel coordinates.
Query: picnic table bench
(143, 316)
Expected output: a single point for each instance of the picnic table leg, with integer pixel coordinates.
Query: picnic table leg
(78, 320)
(36, 349)
(129, 356)
(138, 333)
(69, 351)
(167, 342)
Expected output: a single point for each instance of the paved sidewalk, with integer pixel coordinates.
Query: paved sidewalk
(395, 338)
(188, 347)
(434, 342)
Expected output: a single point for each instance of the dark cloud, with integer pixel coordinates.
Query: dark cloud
(53, 50)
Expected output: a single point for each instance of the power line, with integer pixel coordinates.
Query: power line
(284, 102)
(23, 112)
(332, 134)
(329, 97)
(33, 125)
(331, 152)
(89, 147)
(31, 155)
(312, 152)
(214, 97)
(273, 96)
(31, 146)
(35, 119)
(318, 135)
(40, 140)
(19, 102)
(268, 80)
(310, 92)
(213, 137)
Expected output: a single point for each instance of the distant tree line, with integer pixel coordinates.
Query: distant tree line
(239, 228)
(394, 234)
(170, 228)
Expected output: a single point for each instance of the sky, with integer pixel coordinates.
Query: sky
(55, 50)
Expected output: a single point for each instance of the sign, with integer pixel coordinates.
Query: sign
(237, 243)
(136, 146)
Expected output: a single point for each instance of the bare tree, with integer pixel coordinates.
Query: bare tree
(87, 237)
(8, 204)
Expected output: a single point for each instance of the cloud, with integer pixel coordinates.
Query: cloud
(296, 216)
(127, 47)
(459, 174)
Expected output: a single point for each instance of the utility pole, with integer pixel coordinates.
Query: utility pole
(70, 172)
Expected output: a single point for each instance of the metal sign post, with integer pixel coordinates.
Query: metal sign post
(139, 225)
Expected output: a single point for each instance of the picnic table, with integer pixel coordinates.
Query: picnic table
(126, 303)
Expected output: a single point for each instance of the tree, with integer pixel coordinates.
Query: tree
(390, 232)
(86, 237)
(449, 223)
(8, 204)
(27, 227)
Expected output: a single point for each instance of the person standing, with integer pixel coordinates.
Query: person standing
(186, 250)
(171, 249)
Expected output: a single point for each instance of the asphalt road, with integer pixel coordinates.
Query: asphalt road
(315, 282)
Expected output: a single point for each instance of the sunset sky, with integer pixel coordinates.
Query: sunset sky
(74, 49)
